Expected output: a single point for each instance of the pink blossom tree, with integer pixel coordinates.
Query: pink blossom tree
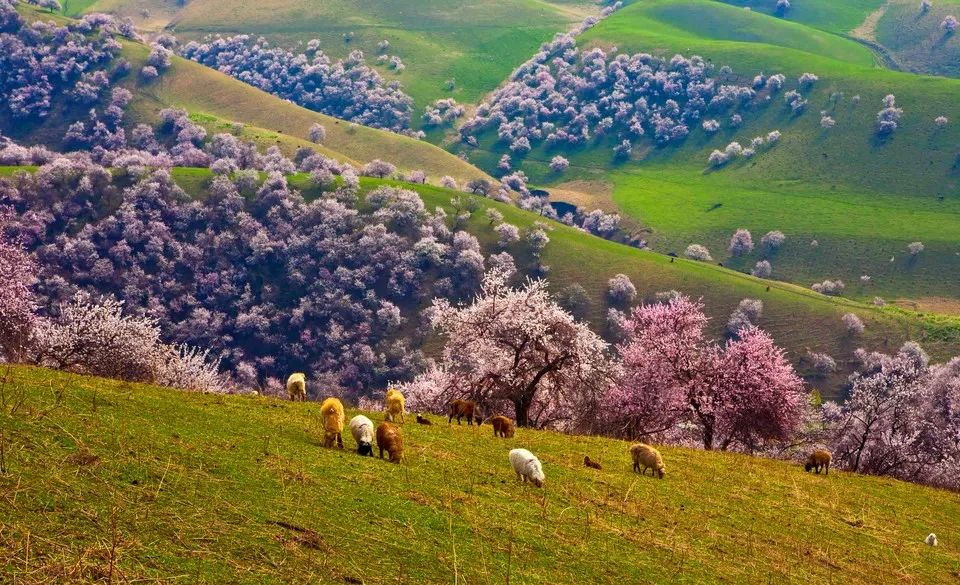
(17, 306)
(515, 347)
(742, 394)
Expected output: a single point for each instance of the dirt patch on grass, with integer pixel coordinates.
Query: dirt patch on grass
(82, 459)
(586, 194)
(942, 305)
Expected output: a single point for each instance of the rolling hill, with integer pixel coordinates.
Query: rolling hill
(799, 319)
(103, 480)
(862, 198)
(476, 44)
(217, 101)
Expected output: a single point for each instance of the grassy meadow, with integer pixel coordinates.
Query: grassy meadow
(862, 198)
(111, 481)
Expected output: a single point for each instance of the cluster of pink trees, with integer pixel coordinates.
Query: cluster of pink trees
(565, 97)
(347, 89)
(42, 60)
(901, 418)
(515, 350)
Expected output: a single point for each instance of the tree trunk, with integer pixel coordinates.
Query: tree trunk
(522, 408)
(708, 436)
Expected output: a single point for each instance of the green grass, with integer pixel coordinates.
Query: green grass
(830, 15)
(476, 44)
(917, 41)
(170, 486)
(862, 198)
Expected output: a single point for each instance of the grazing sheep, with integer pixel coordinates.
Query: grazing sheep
(362, 430)
(332, 412)
(527, 466)
(396, 405)
(647, 457)
(502, 426)
(591, 463)
(297, 387)
(931, 539)
(819, 459)
(464, 409)
(389, 440)
(423, 420)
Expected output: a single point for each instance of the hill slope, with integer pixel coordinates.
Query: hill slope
(476, 44)
(862, 198)
(218, 101)
(104, 480)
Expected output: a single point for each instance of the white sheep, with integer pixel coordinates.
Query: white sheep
(362, 430)
(931, 539)
(527, 466)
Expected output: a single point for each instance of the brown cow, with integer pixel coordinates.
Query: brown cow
(464, 409)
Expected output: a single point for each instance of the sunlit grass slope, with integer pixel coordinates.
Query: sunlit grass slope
(110, 481)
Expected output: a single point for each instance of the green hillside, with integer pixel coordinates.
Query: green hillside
(799, 319)
(863, 199)
(109, 481)
(476, 44)
(217, 101)
(916, 40)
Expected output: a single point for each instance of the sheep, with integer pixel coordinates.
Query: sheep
(423, 420)
(527, 466)
(819, 459)
(931, 539)
(502, 426)
(297, 387)
(362, 430)
(395, 405)
(647, 457)
(591, 463)
(332, 412)
(389, 439)
(464, 408)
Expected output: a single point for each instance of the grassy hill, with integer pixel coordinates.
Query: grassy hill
(799, 319)
(916, 40)
(863, 199)
(218, 101)
(476, 44)
(104, 480)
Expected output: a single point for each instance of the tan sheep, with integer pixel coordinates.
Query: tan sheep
(395, 405)
(591, 463)
(464, 409)
(819, 459)
(297, 387)
(390, 440)
(647, 457)
(331, 410)
(502, 426)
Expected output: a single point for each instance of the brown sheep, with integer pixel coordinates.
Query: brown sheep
(297, 387)
(647, 457)
(591, 463)
(464, 409)
(819, 459)
(502, 426)
(423, 420)
(332, 412)
(389, 440)
(396, 405)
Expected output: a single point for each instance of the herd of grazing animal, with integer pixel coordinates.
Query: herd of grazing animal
(525, 464)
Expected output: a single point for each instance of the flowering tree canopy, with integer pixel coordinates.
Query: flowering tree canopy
(741, 394)
(517, 347)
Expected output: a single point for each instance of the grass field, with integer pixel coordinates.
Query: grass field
(917, 40)
(862, 198)
(476, 44)
(124, 482)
